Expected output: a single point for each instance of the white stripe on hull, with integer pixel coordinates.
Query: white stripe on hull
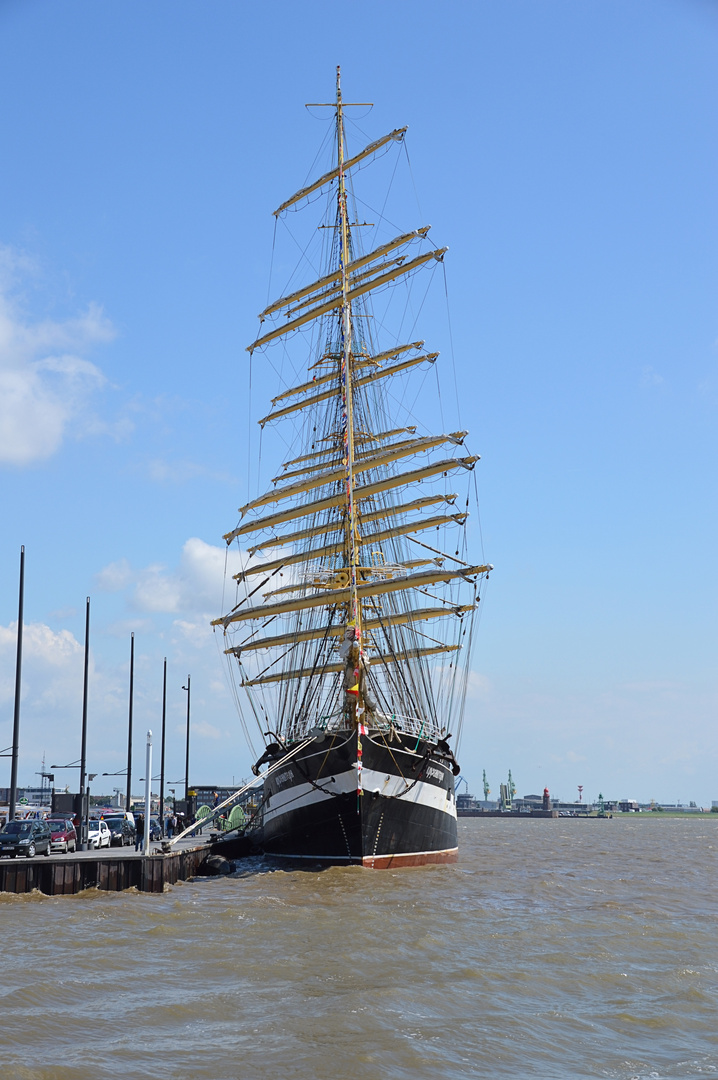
(419, 792)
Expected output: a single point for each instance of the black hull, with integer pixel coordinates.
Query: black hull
(402, 810)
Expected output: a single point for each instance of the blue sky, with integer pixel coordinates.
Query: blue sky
(566, 153)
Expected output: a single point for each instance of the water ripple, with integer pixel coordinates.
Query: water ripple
(554, 949)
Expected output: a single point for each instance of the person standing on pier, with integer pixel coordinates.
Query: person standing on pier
(139, 830)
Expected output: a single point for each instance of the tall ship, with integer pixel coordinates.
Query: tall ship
(355, 604)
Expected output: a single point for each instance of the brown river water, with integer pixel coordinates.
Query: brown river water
(553, 949)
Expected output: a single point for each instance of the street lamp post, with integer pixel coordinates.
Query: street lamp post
(162, 751)
(18, 675)
(148, 792)
(86, 822)
(128, 798)
(186, 760)
(83, 752)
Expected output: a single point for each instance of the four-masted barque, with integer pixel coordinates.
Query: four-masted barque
(356, 665)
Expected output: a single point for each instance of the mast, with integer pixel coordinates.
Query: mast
(351, 524)
(350, 585)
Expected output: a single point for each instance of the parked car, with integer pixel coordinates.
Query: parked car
(98, 835)
(63, 835)
(155, 829)
(121, 831)
(25, 838)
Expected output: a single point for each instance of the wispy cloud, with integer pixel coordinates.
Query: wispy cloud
(180, 472)
(52, 665)
(206, 731)
(115, 576)
(46, 380)
(650, 377)
(192, 588)
(52, 683)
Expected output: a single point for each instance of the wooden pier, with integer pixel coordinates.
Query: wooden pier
(116, 870)
(101, 870)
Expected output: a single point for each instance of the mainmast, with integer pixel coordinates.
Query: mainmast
(351, 524)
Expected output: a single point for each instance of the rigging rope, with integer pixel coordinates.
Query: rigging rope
(203, 822)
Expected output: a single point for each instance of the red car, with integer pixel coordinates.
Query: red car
(64, 837)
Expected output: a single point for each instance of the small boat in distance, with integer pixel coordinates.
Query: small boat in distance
(356, 657)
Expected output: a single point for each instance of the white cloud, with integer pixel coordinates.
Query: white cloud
(52, 685)
(41, 643)
(193, 588)
(52, 668)
(206, 731)
(180, 472)
(157, 591)
(122, 628)
(190, 632)
(477, 686)
(115, 576)
(173, 472)
(45, 380)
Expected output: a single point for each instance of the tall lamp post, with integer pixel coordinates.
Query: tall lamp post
(162, 751)
(128, 799)
(18, 676)
(186, 760)
(86, 823)
(83, 752)
(84, 810)
(148, 794)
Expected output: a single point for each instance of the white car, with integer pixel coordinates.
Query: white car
(99, 835)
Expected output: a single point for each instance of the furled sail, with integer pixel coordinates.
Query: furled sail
(328, 669)
(339, 596)
(361, 360)
(390, 619)
(323, 529)
(397, 135)
(364, 491)
(362, 464)
(337, 299)
(379, 373)
(353, 267)
(417, 525)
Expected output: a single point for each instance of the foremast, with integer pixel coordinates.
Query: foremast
(352, 648)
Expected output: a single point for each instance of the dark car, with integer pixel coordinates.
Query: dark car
(121, 832)
(63, 835)
(25, 838)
